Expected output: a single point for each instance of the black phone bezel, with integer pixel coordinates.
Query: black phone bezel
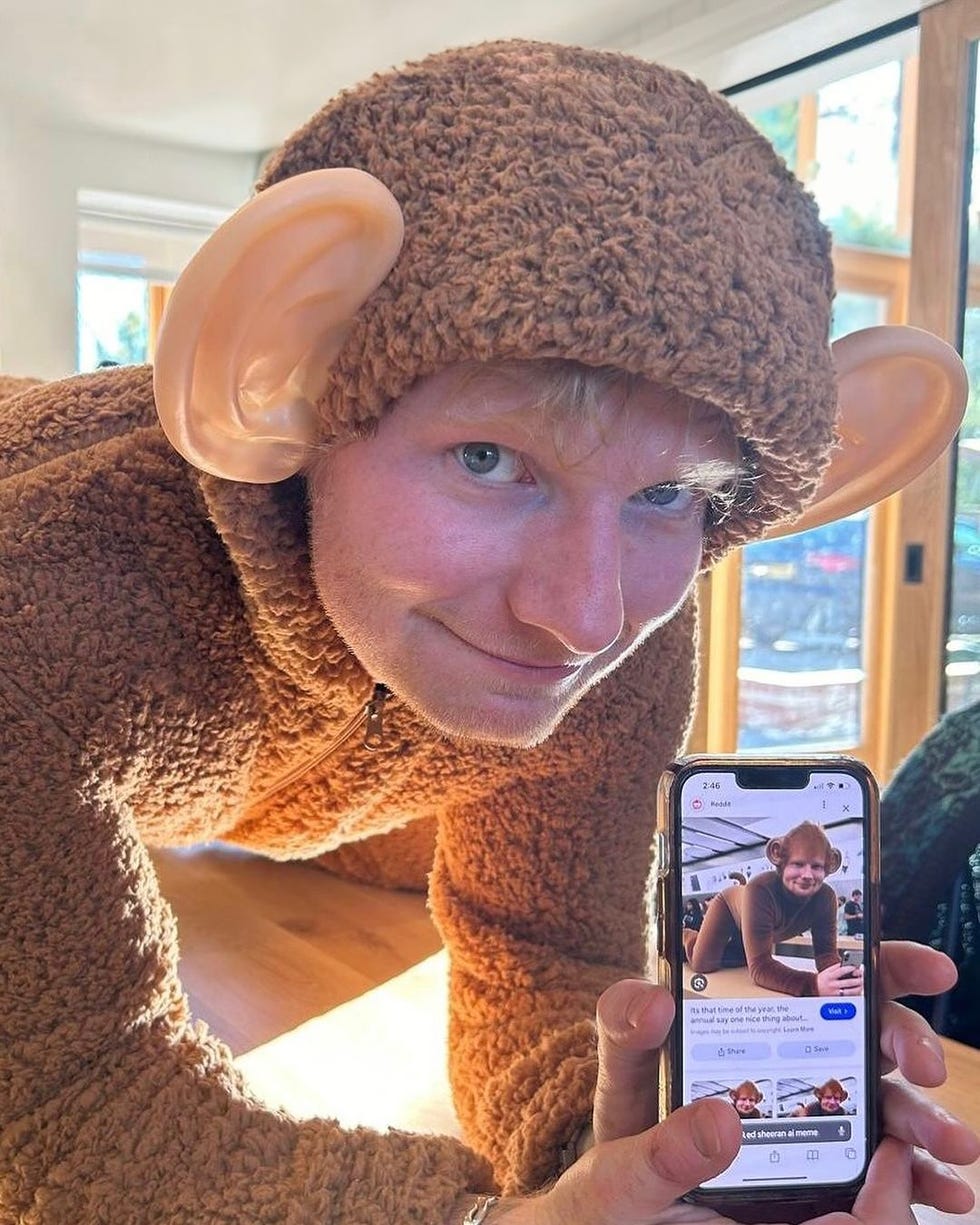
(767, 1202)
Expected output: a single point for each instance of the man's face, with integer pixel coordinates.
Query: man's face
(804, 874)
(745, 1105)
(829, 1101)
(489, 559)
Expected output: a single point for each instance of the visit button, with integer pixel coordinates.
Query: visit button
(838, 1012)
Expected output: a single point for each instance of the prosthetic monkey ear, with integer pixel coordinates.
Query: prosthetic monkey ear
(774, 851)
(259, 314)
(834, 861)
(902, 394)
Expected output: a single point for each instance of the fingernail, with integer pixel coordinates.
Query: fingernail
(935, 1051)
(704, 1132)
(635, 1010)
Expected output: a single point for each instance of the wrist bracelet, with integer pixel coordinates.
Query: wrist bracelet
(478, 1212)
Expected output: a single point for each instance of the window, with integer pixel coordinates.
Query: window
(879, 691)
(113, 319)
(789, 625)
(130, 250)
(962, 662)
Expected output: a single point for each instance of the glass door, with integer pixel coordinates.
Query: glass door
(853, 637)
(803, 652)
(962, 660)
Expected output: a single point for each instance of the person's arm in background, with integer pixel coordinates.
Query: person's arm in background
(823, 929)
(115, 1105)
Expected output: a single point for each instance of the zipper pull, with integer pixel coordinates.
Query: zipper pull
(374, 736)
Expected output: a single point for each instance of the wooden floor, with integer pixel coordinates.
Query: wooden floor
(266, 946)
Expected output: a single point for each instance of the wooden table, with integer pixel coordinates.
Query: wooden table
(960, 1095)
(394, 1070)
(281, 960)
(802, 946)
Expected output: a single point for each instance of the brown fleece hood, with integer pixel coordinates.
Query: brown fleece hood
(592, 206)
(573, 203)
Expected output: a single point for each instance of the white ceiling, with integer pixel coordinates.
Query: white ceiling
(240, 76)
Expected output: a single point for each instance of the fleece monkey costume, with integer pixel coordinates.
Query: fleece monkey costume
(165, 662)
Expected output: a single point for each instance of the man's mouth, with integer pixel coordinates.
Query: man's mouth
(547, 666)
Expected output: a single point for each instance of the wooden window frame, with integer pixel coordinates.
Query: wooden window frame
(905, 623)
(158, 297)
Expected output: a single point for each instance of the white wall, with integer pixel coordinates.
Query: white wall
(42, 167)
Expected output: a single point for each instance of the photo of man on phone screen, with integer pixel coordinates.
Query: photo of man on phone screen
(778, 931)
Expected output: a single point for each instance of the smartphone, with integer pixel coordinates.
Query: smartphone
(776, 1009)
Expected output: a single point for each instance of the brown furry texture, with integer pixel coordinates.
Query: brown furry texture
(805, 841)
(165, 659)
(577, 203)
(399, 859)
(13, 385)
(157, 676)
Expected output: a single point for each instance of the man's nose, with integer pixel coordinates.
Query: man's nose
(569, 579)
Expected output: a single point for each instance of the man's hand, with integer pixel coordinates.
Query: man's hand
(638, 1168)
(841, 980)
(636, 1180)
(633, 1182)
(633, 1019)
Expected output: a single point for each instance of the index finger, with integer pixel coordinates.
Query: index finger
(907, 968)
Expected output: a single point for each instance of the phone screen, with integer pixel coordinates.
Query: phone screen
(776, 875)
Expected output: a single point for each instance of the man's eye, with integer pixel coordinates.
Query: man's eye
(490, 460)
(669, 493)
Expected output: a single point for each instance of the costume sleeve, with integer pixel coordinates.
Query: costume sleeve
(762, 922)
(118, 715)
(539, 890)
(114, 1107)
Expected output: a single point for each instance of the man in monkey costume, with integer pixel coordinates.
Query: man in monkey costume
(508, 345)
(830, 1096)
(743, 923)
(746, 1098)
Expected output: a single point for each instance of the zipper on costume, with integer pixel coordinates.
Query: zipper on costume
(374, 713)
(370, 717)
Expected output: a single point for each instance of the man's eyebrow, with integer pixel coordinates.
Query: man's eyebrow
(713, 475)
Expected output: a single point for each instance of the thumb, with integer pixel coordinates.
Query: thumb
(632, 1020)
(627, 1181)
